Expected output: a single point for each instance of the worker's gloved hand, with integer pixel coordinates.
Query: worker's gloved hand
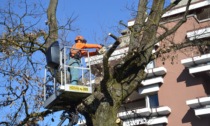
(84, 41)
(102, 50)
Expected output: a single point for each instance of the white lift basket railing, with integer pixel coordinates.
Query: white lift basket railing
(55, 92)
(84, 85)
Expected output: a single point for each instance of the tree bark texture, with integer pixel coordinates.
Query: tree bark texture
(52, 23)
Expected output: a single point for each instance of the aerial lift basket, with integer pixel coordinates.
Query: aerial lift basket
(59, 93)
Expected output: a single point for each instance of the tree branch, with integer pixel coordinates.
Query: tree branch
(142, 13)
(180, 46)
(35, 115)
(183, 20)
(52, 23)
(26, 106)
(170, 6)
(108, 54)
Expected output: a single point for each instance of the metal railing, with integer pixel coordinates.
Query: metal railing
(85, 72)
(83, 69)
(50, 83)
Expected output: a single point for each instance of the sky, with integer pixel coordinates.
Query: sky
(95, 18)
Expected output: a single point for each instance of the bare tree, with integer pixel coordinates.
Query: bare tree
(21, 40)
(23, 45)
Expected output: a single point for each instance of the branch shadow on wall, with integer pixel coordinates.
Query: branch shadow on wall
(197, 79)
(206, 83)
(190, 117)
(189, 79)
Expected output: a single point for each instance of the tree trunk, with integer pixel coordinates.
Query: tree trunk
(106, 115)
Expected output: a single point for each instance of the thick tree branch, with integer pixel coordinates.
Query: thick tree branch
(152, 25)
(136, 29)
(87, 105)
(142, 13)
(133, 85)
(108, 54)
(52, 23)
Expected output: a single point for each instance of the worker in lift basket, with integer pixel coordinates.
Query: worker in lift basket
(76, 53)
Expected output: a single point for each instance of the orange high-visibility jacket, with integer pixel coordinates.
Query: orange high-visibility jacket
(77, 46)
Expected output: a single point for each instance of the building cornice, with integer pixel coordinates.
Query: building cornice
(182, 9)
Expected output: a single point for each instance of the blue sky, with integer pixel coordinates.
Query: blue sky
(95, 18)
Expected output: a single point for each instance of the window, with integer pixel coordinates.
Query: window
(141, 103)
(150, 65)
(203, 13)
(136, 101)
(153, 101)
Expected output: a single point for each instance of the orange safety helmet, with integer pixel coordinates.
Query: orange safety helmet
(79, 37)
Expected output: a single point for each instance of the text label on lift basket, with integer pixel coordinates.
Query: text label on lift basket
(78, 88)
